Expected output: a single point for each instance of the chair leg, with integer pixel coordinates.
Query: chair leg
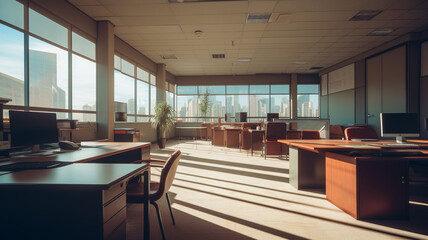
(170, 209)
(159, 219)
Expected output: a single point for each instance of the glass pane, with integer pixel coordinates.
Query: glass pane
(280, 89)
(124, 90)
(117, 61)
(142, 75)
(12, 12)
(85, 117)
(143, 119)
(152, 99)
(280, 104)
(187, 106)
(130, 118)
(212, 89)
(307, 105)
(128, 68)
(237, 89)
(153, 79)
(48, 75)
(83, 46)
(259, 105)
(236, 103)
(12, 65)
(181, 90)
(142, 98)
(308, 88)
(48, 29)
(170, 99)
(259, 89)
(217, 106)
(84, 82)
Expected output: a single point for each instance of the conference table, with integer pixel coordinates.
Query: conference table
(364, 179)
(84, 199)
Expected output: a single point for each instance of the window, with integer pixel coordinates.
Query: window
(237, 89)
(142, 75)
(12, 11)
(185, 90)
(48, 75)
(12, 64)
(124, 90)
(212, 89)
(84, 87)
(48, 29)
(83, 46)
(128, 68)
(280, 100)
(170, 99)
(143, 98)
(187, 108)
(152, 98)
(153, 79)
(308, 100)
(236, 103)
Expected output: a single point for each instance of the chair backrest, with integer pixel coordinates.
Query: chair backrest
(336, 132)
(293, 126)
(168, 173)
(360, 133)
(276, 130)
(310, 134)
(294, 134)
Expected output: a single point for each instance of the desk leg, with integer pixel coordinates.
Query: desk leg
(146, 204)
(307, 169)
(251, 144)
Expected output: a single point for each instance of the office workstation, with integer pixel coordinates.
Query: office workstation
(243, 119)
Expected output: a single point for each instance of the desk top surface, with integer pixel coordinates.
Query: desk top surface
(79, 176)
(88, 152)
(324, 145)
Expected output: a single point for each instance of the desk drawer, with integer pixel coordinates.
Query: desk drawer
(114, 223)
(114, 190)
(113, 207)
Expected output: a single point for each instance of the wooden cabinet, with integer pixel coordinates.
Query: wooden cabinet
(368, 187)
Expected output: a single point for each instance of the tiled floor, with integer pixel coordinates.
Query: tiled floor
(223, 193)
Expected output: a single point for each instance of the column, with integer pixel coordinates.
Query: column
(160, 83)
(105, 80)
(293, 95)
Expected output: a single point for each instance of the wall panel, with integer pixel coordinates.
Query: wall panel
(341, 107)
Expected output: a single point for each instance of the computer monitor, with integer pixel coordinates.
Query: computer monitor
(271, 116)
(32, 129)
(241, 117)
(227, 117)
(399, 125)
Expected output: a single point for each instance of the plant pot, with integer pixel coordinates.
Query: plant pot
(162, 142)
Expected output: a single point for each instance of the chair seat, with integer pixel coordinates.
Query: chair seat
(135, 192)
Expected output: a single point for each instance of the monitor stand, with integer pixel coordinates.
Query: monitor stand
(400, 139)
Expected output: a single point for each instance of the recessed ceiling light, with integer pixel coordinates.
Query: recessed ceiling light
(365, 15)
(381, 31)
(244, 59)
(300, 62)
(258, 17)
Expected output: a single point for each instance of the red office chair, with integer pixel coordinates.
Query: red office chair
(360, 133)
(310, 134)
(135, 190)
(274, 131)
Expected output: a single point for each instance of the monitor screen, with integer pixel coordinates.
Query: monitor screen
(227, 117)
(399, 124)
(271, 116)
(32, 128)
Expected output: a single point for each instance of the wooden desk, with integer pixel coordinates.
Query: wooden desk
(78, 201)
(232, 137)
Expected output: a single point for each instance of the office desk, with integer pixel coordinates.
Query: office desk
(78, 201)
(232, 137)
(254, 133)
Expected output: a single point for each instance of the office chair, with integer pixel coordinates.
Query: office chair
(273, 132)
(310, 134)
(135, 190)
(360, 133)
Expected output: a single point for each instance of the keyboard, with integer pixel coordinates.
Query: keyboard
(31, 165)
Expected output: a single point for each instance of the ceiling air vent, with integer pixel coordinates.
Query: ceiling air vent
(258, 17)
(381, 31)
(171, 56)
(365, 15)
(315, 68)
(219, 56)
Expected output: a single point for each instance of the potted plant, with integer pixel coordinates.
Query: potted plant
(163, 119)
